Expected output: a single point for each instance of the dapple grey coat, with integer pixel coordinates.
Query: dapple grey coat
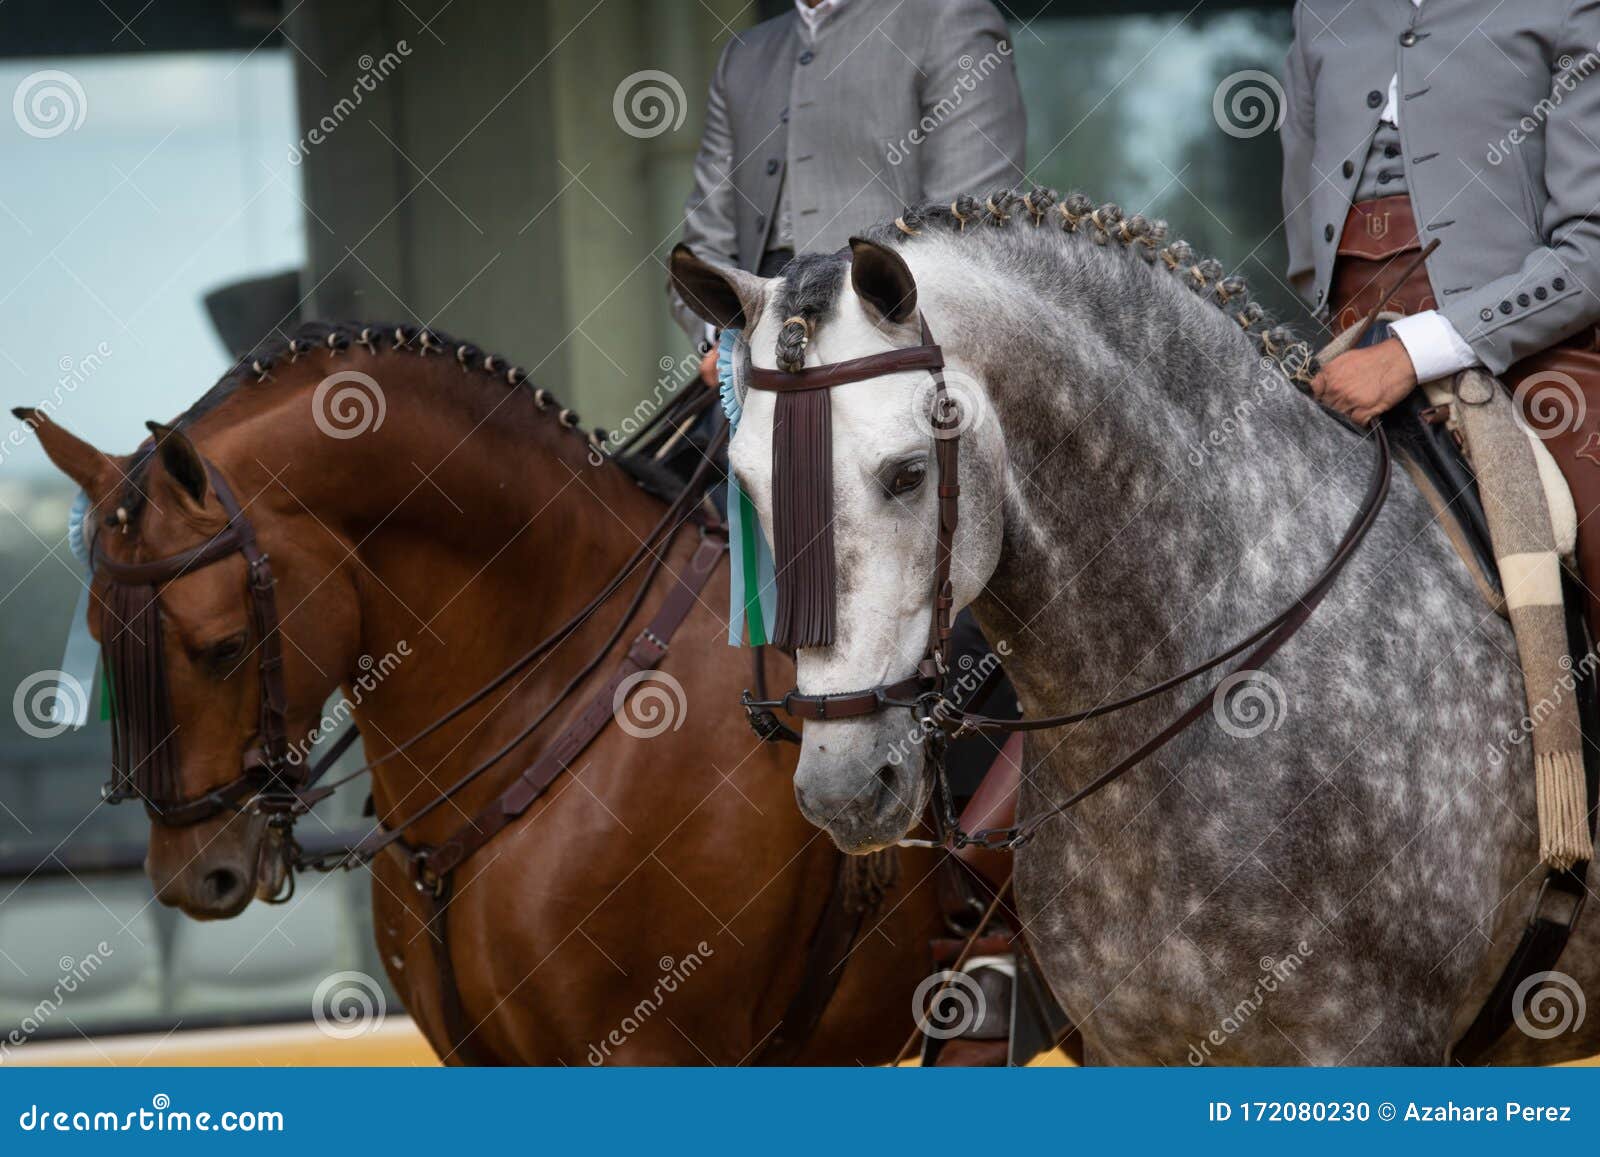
(1500, 122)
(890, 104)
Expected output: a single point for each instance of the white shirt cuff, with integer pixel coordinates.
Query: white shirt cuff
(1436, 349)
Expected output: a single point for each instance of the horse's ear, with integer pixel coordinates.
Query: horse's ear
(181, 460)
(71, 455)
(727, 298)
(882, 280)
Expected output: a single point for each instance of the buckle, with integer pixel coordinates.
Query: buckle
(424, 878)
(1576, 898)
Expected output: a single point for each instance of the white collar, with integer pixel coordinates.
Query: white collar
(814, 16)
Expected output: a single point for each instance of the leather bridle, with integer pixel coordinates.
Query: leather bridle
(925, 693)
(144, 738)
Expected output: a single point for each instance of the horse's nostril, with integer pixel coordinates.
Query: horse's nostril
(222, 885)
(886, 775)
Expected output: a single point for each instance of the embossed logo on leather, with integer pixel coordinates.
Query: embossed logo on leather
(1590, 448)
(1378, 226)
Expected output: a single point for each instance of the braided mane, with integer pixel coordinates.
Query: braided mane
(1076, 214)
(327, 341)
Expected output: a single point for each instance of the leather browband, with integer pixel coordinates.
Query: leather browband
(916, 357)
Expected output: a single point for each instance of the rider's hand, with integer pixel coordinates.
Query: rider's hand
(708, 368)
(1363, 383)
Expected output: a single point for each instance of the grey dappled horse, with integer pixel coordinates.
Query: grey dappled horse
(1333, 866)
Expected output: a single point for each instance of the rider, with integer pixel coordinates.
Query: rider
(1472, 122)
(839, 113)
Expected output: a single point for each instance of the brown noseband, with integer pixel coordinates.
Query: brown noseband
(144, 751)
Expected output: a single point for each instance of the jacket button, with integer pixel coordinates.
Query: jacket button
(1558, 284)
(1374, 99)
(1505, 307)
(761, 220)
(1486, 315)
(1407, 38)
(1391, 150)
(1522, 300)
(1541, 293)
(772, 165)
(807, 56)
(1327, 232)
(1349, 168)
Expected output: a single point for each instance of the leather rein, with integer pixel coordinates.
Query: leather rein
(941, 718)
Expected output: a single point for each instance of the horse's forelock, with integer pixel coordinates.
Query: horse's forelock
(811, 285)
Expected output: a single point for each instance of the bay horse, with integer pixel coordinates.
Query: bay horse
(1331, 866)
(428, 513)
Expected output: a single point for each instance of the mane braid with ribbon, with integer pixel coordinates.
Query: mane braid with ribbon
(328, 341)
(1107, 225)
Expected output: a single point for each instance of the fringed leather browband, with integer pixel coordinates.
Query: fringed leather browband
(802, 483)
(144, 745)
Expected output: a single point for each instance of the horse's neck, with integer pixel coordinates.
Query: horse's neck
(470, 540)
(1154, 516)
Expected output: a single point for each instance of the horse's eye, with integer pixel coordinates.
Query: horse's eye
(224, 656)
(908, 477)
